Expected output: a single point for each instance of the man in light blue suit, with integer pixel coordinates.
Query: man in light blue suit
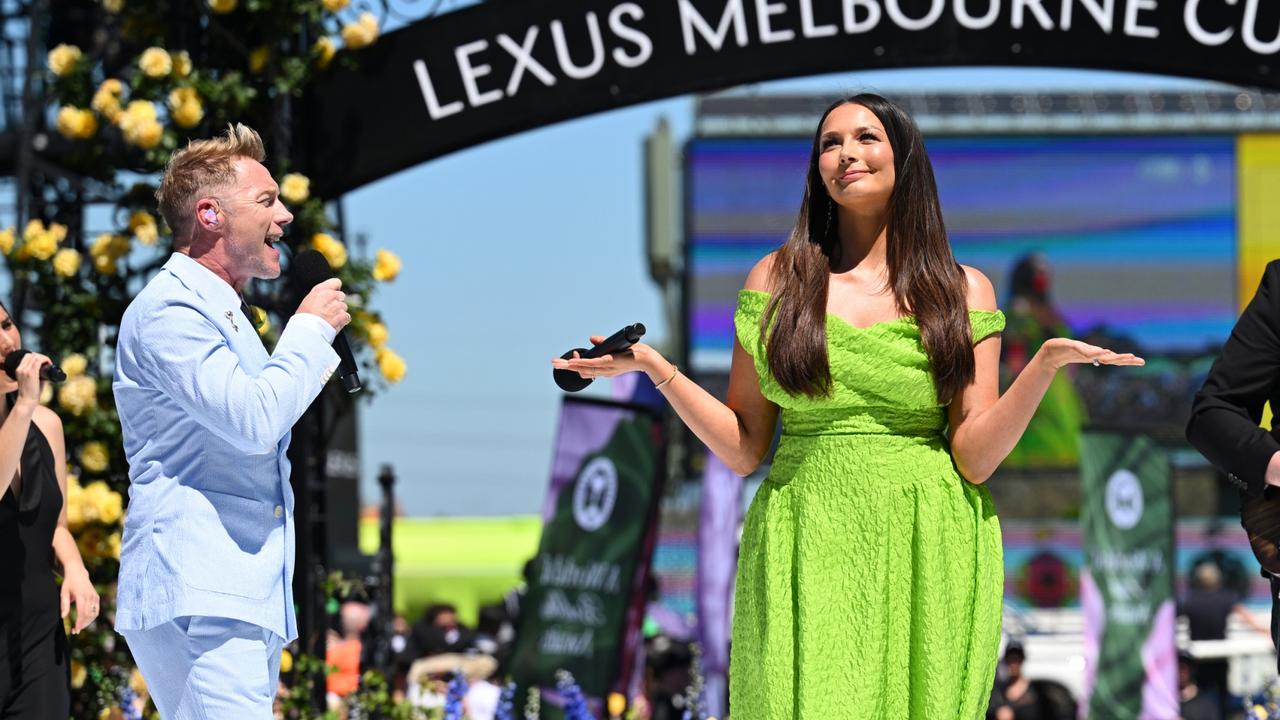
(205, 596)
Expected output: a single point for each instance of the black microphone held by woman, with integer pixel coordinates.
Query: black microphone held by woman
(571, 381)
(50, 372)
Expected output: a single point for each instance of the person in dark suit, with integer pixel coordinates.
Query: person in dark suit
(1224, 424)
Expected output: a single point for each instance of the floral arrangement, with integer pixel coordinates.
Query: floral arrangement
(142, 79)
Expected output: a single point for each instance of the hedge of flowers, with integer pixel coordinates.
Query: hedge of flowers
(143, 78)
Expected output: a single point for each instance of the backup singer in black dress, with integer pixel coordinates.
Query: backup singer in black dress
(34, 660)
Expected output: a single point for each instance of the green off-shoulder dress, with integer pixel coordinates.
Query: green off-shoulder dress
(870, 573)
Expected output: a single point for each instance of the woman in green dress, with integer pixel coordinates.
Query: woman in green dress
(870, 575)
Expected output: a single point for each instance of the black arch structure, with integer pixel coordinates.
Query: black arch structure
(502, 67)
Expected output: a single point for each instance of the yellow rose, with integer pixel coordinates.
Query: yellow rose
(90, 541)
(78, 395)
(143, 225)
(78, 674)
(58, 231)
(41, 247)
(75, 123)
(139, 125)
(113, 6)
(155, 62)
(46, 394)
(324, 50)
(258, 59)
(110, 246)
(33, 229)
(331, 248)
(104, 264)
(62, 59)
(286, 661)
(334, 6)
(106, 504)
(181, 64)
(377, 333)
(188, 115)
(222, 7)
(66, 262)
(386, 266)
(617, 704)
(74, 364)
(361, 33)
(295, 188)
(107, 99)
(93, 457)
(185, 107)
(113, 546)
(6, 240)
(136, 682)
(391, 365)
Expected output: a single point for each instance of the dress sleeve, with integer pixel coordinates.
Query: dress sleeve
(985, 323)
(746, 321)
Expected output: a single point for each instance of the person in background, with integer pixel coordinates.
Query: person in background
(1013, 697)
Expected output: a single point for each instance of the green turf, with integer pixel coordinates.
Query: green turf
(468, 562)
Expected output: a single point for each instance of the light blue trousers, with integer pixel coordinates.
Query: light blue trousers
(208, 668)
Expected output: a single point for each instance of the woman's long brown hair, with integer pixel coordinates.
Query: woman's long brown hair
(924, 276)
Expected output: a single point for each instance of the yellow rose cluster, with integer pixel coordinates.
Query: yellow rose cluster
(361, 33)
(94, 457)
(386, 266)
(78, 395)
(76, 123)
(185, 107)
(66, 262)
(331, 248)
(62, 59)
(106, 100)
(390, 364)
(41, 242)
(106, 249)
(377, 334)
(6, 240)
(295, 188)
(155, 62)
(143, 226)
(94, 502)
(324, 50)
(74, 365)
(139, 125)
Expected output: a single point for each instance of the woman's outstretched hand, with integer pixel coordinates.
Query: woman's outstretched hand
(1059, 352)
(640, 358)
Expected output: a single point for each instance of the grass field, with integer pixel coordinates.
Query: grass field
(468, 562)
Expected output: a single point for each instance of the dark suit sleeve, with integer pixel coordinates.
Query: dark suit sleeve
(1227, 410)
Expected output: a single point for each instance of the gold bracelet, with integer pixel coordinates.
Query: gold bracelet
(674, 373)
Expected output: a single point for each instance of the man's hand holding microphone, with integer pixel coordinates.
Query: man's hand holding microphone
(329, 302)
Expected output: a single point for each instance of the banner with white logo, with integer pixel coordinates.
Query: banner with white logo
(585, 601)
(1126, 586)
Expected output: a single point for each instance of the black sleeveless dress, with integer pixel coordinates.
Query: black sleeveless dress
(35, 677)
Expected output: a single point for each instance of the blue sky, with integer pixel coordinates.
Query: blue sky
(518, 249)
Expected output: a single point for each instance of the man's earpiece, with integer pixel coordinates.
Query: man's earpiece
(211, 216)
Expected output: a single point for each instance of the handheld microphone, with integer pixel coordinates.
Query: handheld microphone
(50, 373)
(310, 268)
(571, 381)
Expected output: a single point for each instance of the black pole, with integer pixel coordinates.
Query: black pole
(307, 452)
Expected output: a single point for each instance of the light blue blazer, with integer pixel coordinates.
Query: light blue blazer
(206, 415)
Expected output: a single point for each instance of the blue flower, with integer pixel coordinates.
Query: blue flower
(506, 703)
(453, 697)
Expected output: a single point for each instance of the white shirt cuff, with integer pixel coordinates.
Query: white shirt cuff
(316, 323)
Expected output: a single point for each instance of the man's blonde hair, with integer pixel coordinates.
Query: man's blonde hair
(203, 166)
